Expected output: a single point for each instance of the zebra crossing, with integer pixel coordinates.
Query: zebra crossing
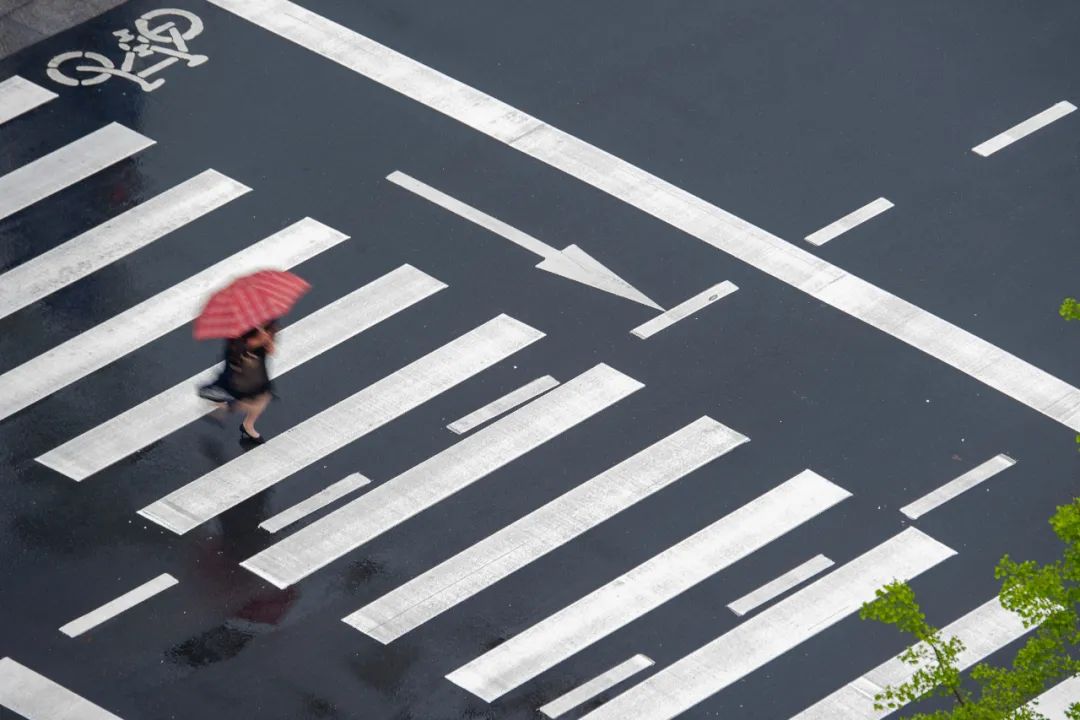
(773, 621)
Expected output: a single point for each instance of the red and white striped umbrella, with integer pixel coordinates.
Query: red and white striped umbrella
(249, 302)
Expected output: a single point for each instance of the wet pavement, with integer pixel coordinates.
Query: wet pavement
(786, 115)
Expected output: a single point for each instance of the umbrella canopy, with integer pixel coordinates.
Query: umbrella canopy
(249, 302)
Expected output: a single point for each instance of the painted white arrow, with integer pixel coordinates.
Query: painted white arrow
(571, 262)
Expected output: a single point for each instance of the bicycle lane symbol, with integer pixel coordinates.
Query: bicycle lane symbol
(167, 37)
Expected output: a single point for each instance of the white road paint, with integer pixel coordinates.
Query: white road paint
(168, 411)
(502, 405)
(61, 168)
(337, 426)
(684, 310)
(36, 697)
(571, 262)
(1054, 702)
(852, 219)
(137, 326)
(114, 607)
(774, 631)
(440, 476)
(780, 585)
(18, 96)
(319, 500)
(984, 630)
(1040, 120)
(112, 240)
(762, 250)
(587, 691)
(545, 529)
(953, 488)
(648, 586)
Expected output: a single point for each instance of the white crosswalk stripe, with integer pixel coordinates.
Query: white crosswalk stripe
(112, 240)
(36, 697)
(374, 406)
(19, 95)
(34, 181)
(94, 349)
(648, 586)
(775, 631)
(545, 529)
(309, 337)
(438, 477)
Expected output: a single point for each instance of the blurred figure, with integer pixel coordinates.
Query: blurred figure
(244, 383)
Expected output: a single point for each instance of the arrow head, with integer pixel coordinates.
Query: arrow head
(573, 263)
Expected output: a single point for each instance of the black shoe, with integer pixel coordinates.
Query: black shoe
(247, 437)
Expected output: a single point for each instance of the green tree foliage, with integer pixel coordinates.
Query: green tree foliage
(1070, 310)
(1046, 596)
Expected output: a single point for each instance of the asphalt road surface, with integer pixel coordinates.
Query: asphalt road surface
(756, 302)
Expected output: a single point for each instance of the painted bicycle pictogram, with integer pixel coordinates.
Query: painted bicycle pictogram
(164, 31)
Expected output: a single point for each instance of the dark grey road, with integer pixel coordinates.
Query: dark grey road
(787, 114)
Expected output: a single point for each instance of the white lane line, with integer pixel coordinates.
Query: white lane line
(852, 219)
(984, 630)
(167, 412)
(684, 309)
(319, 500)
(384, 400)
(954, 487)
(775, 631)
(137, 326)
(18, 95)
(502, 405)
(571, 262)
(92, 153)
(780, 585)
(648, 586)
(440, 476)
(1017, 132)
(112, 240)
(36, 697)
(740, 239)
(600, 683)
(1054, 702)
(545, 529)
(114, 607)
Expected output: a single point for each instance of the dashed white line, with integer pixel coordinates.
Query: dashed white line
(319, 500)
(849, 221)
(587, 691)
(114, 607)
(780, 585)
(684, 309)
(1022, 130)
(501, 405)
(953, 488)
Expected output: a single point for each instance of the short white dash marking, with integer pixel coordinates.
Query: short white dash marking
(114, 607)
(319, 500)
(18, 95)
(953, 488)
(780, 585)
(600, 683)
(1017, 132)
(684, 309)
(112, 240)
(80, 159)
(502, 405)
(36, 697)
(308, 337)
(841, 226)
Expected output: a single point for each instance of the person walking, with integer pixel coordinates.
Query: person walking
(246, 315)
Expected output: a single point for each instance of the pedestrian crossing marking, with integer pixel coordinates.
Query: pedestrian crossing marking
(587, 691)
(440, 476)
(36, 697)
(18, 95)
(350, 419)
(307, 338)
(118, 605)
(501, 405)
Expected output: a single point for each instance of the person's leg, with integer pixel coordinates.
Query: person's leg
(254, 408)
